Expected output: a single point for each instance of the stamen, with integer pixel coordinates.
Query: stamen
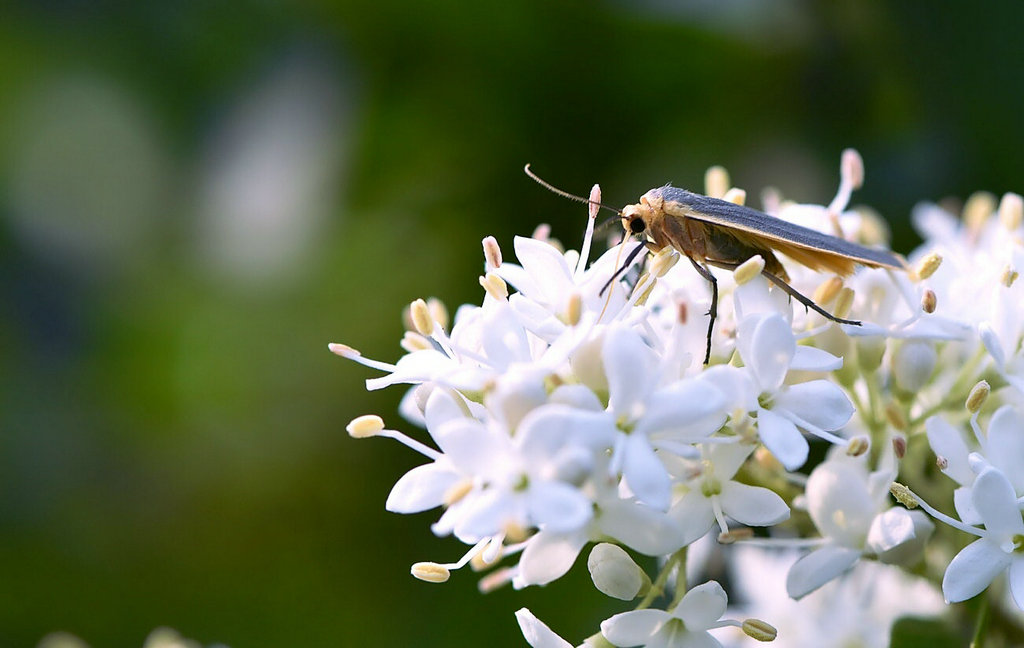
(977, 396)
(1011, 211)
(365, 426)
(929, 301)
(421, 318)
(588, 235)
(349, 353)
(851, 174)
(828, 290)
(759, 630)
(749, 269)
(1009, 276)
(716, 182)
(492, 253)
(495, 286)
(927, 266)
(857, 446)
(736, 196)
(430, 572)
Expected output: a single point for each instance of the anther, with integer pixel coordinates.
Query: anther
(365, 426)
(748, 269)
(492, 253)
(430, 572)
(422, 321)
(716, 181)
(977, 397)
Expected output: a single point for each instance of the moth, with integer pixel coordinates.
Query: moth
(714, 232)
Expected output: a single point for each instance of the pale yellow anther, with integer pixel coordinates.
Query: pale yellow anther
(479, 560)
(851, 167)
(899, 446)
(903, 495)
(1009, 276)
(844, 302)
(343, 350)
(735, 535)
(365, 426)
(858, 445)
(927, 266)
(574, 309)
(736, 196)
(929, 301)
(828, 290)
(492, 253)
(515, 533)
(895, 416)
(419, 313)
(1011, 211)
(594, 205)
(977, 396)
(978, 208)
(457, 491)
(438, 311)
(759, 630)
(494, 285)
(716, 181)
(663, 261)
(413, 341)
(430, 572)
(748, 270)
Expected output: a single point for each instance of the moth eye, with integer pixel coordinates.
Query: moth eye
(637, 225)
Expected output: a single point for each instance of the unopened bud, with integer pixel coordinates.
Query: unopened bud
(594, 205)
(851, 168)
(614, 573)
(903, 495)
(899, 446)
(927, 266)
(492, 253)
(977, 396)
(1009, 276)
(929, 301)
(495, 286)
(430, 572)
(844, 302)
(913, 364)
(1011, 211)
(759, 630)
(828, 290)
(748, 269)
(858, 445)
(365, 426)
(979, 206)
(421, 319)
(736, 196)
(716, 182)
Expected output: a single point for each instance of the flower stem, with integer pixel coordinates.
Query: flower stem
(978, 641)
(676, 560)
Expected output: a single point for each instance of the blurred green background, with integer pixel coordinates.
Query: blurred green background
(196, 198)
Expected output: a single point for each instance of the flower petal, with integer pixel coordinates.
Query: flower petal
(948, 443)
(1017, 581)
(422, 488)
(641, 528)
(629, 366)
(645, 474)
(817, 568)
(688, 409)
(694, 514)
(536, 633)
(702, 606)
(839, 502)
(547, 557)
(633, 628)
(808, 358)
(558, 507)
(973, 569)
(767, 346)
(819, 402)
(752, 505)
(996, 502)
(1005, 446)
(782, 439)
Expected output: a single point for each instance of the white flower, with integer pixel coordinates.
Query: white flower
(686, 626)
(713, 494)
(1000, 547)
(536, 633)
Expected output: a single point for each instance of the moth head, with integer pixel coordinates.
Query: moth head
(635, 218)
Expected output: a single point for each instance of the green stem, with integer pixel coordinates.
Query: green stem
(978, 641)
(676, 560)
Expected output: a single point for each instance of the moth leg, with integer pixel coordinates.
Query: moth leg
(713, 311)
(806, 301)
(625, 264)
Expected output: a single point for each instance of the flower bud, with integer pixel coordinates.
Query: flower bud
(614, 573)
(913, 364)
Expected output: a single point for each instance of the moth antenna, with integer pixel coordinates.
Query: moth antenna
(566, 194)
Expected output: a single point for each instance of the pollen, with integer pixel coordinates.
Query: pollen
(365, 426)
(748, 269)
(430, 572)
(492, 253)
(422, 321)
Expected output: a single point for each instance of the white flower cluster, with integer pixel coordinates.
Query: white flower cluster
(573, 412)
